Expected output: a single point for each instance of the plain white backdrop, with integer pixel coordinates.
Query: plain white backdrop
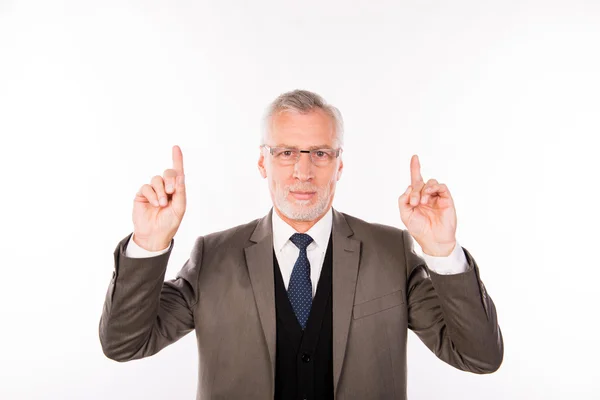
(500, 100)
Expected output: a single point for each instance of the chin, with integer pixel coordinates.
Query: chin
(300, 204)
(301, 210)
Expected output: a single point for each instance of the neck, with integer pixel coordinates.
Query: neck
(300, 226)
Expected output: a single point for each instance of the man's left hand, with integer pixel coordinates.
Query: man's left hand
(427, 210)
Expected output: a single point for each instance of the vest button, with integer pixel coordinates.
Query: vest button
(306, 357)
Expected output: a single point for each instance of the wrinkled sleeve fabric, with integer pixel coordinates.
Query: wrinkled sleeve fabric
(142, 313)
(453, 314)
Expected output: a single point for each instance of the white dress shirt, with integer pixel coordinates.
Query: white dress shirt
(287, 252)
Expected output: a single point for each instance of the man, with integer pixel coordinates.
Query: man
(306, 302)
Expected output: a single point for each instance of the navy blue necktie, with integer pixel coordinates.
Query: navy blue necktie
(300, 286)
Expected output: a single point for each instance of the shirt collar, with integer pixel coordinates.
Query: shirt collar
(319, 232)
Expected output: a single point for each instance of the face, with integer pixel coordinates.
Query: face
(301, 192)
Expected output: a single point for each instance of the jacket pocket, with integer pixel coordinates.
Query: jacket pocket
(379, 304)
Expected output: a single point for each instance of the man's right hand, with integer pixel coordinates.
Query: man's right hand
(158, 207)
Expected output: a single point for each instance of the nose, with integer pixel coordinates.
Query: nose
(303, 169)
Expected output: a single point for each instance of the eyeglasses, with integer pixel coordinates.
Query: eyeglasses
(286, 156)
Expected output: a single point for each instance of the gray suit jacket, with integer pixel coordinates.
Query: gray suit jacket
(225, 292)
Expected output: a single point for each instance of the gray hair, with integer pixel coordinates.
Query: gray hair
(303, 101)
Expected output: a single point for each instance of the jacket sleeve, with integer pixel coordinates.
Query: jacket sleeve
(142, 313)
(453, 314)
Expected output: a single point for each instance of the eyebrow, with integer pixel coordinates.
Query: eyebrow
(323, 146)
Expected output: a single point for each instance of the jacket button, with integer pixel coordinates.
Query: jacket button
(306, 357)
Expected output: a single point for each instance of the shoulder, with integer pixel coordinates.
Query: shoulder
(378, 235)
(365, 229)
(222, 244)
(236, 236)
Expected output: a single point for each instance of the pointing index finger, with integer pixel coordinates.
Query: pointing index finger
(415, 172)
(177, 160)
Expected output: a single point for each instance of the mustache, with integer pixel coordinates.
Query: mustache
(301, 188)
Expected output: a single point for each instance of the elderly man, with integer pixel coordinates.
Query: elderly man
(306, 302)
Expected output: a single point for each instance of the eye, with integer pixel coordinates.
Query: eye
(286, 153)
(322, 154)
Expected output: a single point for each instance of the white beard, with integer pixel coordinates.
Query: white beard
(301, 210)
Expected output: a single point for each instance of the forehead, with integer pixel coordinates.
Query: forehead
(292, 128)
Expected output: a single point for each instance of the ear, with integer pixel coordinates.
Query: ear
(261, 164)
(340, 169)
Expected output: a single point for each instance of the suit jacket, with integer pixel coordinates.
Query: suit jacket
(225, 292)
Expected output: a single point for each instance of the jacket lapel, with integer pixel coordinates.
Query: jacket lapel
(346, 256)
(259, 258)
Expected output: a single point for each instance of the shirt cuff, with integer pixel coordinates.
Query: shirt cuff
(134, 251)
(455, 263)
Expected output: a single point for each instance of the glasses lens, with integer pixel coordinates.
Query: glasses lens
(285, 156)
(323, 156)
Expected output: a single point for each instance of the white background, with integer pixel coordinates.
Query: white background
(500, 100)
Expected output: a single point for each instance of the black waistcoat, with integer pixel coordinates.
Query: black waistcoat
(304, 359)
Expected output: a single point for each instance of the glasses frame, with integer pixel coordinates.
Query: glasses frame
(271, 150)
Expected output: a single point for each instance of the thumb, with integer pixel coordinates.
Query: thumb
(404, 200)
(179, 194)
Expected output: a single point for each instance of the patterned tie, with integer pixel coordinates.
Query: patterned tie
(300, 286)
